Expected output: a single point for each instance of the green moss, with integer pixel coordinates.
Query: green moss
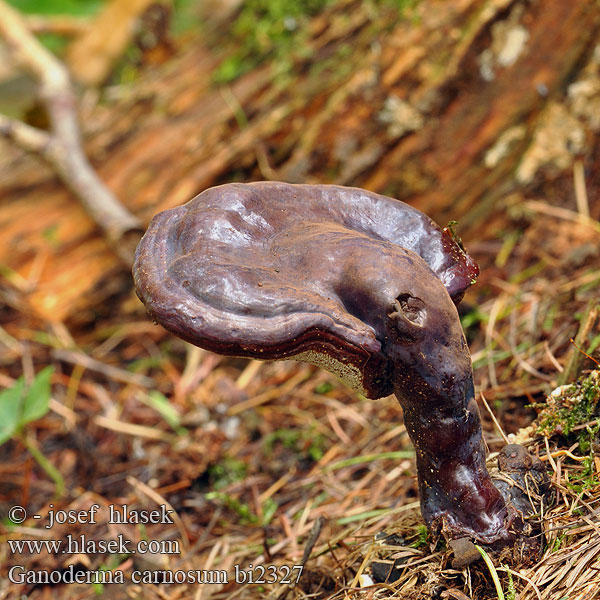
(566, 410)
(569, 406)
(586, 478)
(263, 28)
(510, 589)
(227, 470)
(422, 534)
(558, 542)
(278, 30)
(306, 444)
(242, 510)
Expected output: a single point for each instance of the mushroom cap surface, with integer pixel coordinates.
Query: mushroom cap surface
(273, 270)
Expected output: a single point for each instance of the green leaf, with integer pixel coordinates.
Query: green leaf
(58, 7)
(269, 509)
(164, 408)
(35, 404)
(324, 387)
(367, 458)
(493, 572)
(10, 410)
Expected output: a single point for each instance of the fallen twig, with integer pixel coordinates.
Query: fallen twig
(61, 148)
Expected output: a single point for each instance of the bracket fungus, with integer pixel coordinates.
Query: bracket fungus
(361, 284)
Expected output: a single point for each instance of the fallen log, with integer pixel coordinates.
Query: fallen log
(455, 110)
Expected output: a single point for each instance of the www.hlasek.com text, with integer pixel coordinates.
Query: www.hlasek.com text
(81, 544)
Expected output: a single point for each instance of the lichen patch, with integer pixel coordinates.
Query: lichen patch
(559, 137)
(400, 117)
(509, 40)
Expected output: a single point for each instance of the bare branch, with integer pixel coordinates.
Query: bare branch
(62, 147)
(28, 138)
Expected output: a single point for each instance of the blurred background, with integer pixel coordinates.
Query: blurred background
(480, 112)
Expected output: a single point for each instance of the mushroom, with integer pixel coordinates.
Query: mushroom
(361, 284)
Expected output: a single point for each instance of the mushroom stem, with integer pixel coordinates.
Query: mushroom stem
(433, 381)
(458, 497)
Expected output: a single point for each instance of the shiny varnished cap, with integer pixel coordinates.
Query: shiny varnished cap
(273, 270)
